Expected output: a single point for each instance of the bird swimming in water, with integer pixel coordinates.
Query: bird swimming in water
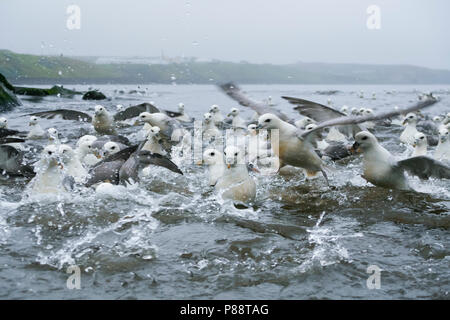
(102, 121)
(217, 115)
(183, 117)
(216, 165)
(50, 177)
(237, 122)
(152, 143)
(72, 164)
(381, 169)
(36, 132)
(235, 183)
(442, 151)
(410, 121)
(420, 145)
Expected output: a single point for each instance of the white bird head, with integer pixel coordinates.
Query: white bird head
(214, 108)
(252, 129)
(212, 157)
(50, 155)
(66, 152)
(420, 140)
(86, 138)
(3, 122)
(33, 121)
(233, 156)
(85, 147)
(234, 112)
(99, 110)
(207, 117)
(310, 127)
(437, 119)
(53, 134)
(443, 135)
(302, 123)
(269, 121)
(368, 112)
(120, 108)
(410, 118)
(364, 141)
(154, 133)
(361, 111)
(344, 109)
(354, 111)
(155, 119)
(181, 107)
(110, 148)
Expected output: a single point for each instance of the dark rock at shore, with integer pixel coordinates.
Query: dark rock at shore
(53, 91)
(94, 95)
(5, 82)
(8, 99)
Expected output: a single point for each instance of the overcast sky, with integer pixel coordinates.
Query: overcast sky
(275, 31)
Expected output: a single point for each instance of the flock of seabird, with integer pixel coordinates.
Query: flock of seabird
(270, 140)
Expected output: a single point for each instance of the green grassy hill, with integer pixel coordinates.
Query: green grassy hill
(26, 68)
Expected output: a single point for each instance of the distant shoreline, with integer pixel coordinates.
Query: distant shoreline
(25, 69)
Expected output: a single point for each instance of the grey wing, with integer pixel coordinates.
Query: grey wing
(64, 114)
(172, 114)
(11, 140)
(235, 93)
(122, 155)
(135, 111)
(68, 183)
(129, 170)
(337, 151)
(11, 161)
(314, 110)
(425, 167)
(380, 116)
(147, 158)
(105, 171)
(433, 141)
(9, 132)
(114, 138)
(321, 113)
(10, 158)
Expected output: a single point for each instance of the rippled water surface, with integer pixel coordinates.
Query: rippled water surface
(171, 238)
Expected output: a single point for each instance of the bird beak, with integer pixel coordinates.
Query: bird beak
(355, 148)
(60, 165)
(258, 127)
(199, 162)
(97, 154)
(228, 165)
(414, 145)
(253, 168)
(404, 122)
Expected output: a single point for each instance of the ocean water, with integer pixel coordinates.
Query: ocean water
(170, 237)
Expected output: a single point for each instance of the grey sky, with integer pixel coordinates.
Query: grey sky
(281, 31)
